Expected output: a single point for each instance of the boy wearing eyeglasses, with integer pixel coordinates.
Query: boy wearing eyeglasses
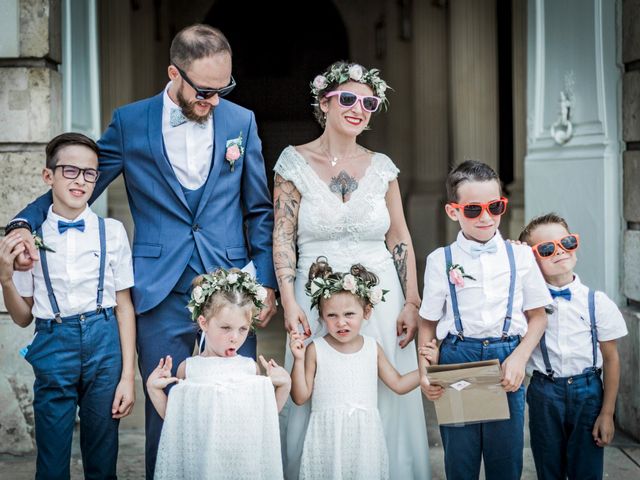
(83, 350)
(484, 299)
(570, 412)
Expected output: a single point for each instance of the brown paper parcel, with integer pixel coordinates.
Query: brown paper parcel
(472, 392)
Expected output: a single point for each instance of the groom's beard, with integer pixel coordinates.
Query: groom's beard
(188, 109)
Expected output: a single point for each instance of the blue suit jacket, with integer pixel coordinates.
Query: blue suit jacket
(166, 230)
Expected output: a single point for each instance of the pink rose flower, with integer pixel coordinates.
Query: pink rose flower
(349, 283)
(233, 153)
(320, 82)
(455, 277)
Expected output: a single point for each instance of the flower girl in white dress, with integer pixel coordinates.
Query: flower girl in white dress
(339, 372)
(221, 419)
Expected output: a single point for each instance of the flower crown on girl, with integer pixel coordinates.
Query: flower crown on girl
(324, 282)
(226, 280)
(342, 72)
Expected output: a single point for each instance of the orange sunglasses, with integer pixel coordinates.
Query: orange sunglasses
(568, 243)
(474, 210)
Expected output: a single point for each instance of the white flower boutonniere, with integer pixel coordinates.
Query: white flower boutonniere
(40, 245)
(234, 150)
(457, 275)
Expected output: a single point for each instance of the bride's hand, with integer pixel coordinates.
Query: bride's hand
(294, 316)
(407, 323)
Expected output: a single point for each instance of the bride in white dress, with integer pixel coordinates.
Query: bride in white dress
(335, 198)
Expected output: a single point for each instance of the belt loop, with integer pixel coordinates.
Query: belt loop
(50, 325)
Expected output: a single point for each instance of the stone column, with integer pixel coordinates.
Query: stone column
(473, 63)
(628, 411)
(30, 114)
(430, 121)
(519, 75)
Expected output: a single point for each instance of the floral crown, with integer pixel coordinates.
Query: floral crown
(341, 72)
(320, 287)
(223, 280)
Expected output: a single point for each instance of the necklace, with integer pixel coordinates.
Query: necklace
(334, 159)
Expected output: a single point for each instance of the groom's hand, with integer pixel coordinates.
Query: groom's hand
(24, 261)
(269, 309)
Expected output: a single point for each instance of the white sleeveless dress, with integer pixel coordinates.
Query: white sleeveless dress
(221, 423)
(348, 233)
(345, 439)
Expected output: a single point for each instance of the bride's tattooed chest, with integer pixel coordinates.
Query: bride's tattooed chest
(343, 184)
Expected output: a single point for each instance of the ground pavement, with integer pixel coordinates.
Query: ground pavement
(622, 459)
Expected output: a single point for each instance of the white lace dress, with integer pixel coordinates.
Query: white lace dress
(345, 439)
(348, 233)
(221, 423)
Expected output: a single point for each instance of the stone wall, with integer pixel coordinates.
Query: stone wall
(629, 397)
(30, 114)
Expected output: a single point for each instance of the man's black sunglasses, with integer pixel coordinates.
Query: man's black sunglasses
(204, 93)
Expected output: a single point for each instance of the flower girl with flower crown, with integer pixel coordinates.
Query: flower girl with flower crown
(221, 419)
(339, 372)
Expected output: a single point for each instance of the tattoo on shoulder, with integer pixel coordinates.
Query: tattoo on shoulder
(400, 254)
(343, 184)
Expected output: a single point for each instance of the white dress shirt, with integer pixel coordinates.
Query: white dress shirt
(568, 333)
(74, 267)
(482, 302)
(189, 146)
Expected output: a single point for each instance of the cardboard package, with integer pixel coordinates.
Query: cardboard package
(472, 392)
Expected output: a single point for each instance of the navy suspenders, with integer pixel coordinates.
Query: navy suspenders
(594, 338)
(47, 278)
(454, 297)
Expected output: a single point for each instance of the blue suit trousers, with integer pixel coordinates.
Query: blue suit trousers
(562, 413)
(500, 444)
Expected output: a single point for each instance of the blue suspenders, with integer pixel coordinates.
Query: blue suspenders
(47, 278)
(454, 297)
(594, 338)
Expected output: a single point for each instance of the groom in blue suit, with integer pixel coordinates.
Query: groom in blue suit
(198, 194)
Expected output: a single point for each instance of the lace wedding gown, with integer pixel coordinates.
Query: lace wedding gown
(221, 423)
(348, 233)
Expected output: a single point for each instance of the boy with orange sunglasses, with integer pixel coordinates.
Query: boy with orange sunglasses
(570, 414)
(485, 299)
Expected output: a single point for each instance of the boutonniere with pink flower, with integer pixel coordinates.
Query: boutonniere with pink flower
(457, 275)
(234, 150)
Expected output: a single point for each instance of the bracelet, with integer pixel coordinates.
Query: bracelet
(411, 303)
(15, 224)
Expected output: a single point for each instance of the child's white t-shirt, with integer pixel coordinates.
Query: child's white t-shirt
(482, 302)
(74, 266)
(568, 333)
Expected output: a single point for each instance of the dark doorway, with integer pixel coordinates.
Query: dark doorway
(278, 48)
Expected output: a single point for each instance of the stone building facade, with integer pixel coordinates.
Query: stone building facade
(459, 73)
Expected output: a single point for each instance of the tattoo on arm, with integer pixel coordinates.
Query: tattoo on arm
(286, 205)
(400, 254)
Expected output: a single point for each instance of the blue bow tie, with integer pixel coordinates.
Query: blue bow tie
(566, 294)
(177, 118)
(478, 249)
(64, 226)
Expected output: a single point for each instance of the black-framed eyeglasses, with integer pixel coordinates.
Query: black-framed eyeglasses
(71, 172)
(204, 93)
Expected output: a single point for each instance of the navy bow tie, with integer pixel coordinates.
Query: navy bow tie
(566, 294)
(478, 249)
(64, 226)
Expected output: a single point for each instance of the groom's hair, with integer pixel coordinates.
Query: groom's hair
(195, 42)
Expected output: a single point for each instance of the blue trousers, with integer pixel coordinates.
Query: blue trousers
(76, 363)
(167, 329)
(562, 413)
(500, 444)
